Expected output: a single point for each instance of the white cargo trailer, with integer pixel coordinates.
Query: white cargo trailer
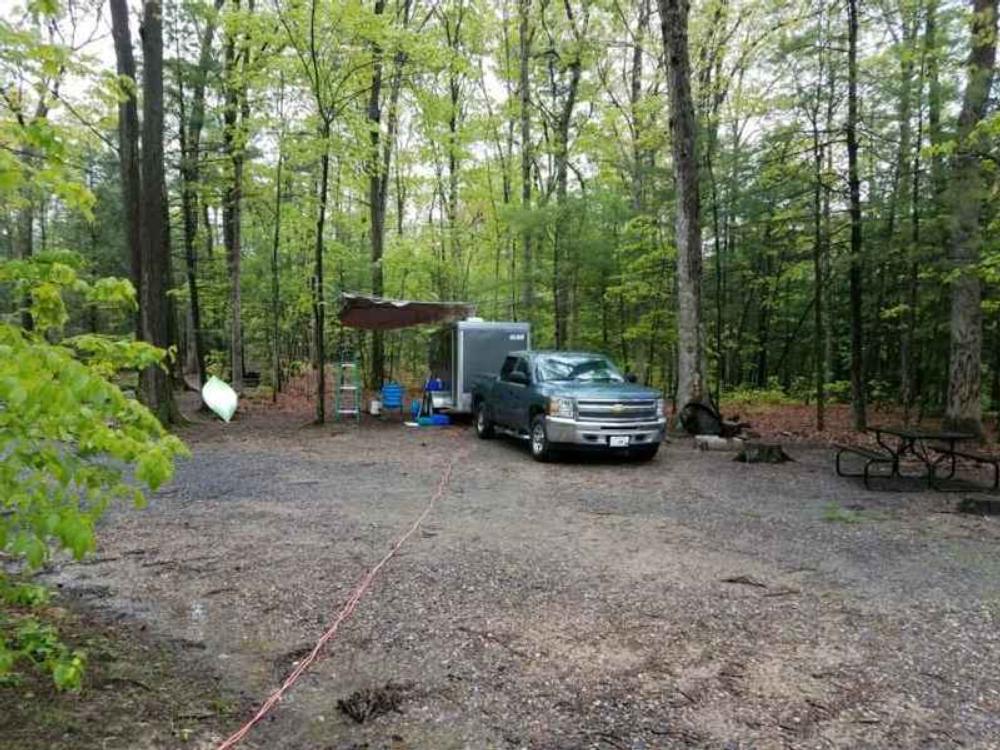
(462, 351)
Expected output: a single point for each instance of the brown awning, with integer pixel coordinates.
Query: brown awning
(379, 313)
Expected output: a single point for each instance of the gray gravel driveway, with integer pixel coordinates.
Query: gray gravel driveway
(690, 602)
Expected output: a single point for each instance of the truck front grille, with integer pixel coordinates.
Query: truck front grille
(618, 412)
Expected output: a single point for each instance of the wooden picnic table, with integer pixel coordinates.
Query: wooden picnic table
(931, 447)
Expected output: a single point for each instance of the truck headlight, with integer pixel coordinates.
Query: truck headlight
(561, 407)
(661, 408)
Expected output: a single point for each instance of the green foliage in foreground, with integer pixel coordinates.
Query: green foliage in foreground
(68, 437)
(23, 639)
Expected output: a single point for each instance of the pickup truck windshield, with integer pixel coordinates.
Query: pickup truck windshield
(584, 368)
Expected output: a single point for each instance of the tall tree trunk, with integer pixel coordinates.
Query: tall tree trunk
(967, 192)
(900, 241)
(24, 220)
(854, 188)
(128, 144)
(717, 252)
(525, 35)
(24, 248)
(560, 273)
(640, 154)
(232, 206)
(830, 363)
(936, 233)
(453, 33)
(319, 302)
(189, 212)
(275, 248)
(819, 374)
(376, 204)
(189, 132)
(712, 94)
(155, 386)
(995, 385)
(690, 344)
(934, 99)
(912, 255)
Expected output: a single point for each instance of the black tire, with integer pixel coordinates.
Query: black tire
(538, 440)
(645, 452)
(484, 427)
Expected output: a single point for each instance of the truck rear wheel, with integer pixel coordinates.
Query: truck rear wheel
(541, 449)
(484, 427)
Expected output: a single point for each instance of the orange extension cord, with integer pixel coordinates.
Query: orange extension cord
(346, 611)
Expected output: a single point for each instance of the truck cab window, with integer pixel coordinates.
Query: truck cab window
(522, 368)
(508, 367)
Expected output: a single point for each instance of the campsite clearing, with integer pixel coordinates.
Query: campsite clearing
(589, 603)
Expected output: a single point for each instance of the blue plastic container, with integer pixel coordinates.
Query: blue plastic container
(392, 396)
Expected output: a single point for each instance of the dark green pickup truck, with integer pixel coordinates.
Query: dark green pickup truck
(568, 400)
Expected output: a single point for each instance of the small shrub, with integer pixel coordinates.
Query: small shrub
(834, 513)
(217, 364)
(748, 397)
(839, 391)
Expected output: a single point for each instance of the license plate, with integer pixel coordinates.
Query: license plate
(618, 441)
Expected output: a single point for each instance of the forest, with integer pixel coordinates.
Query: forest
(791, 196)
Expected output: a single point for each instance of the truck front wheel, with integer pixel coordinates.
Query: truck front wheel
(484, 427)
(541, 449)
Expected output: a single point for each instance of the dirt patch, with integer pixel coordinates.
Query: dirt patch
(140, 691)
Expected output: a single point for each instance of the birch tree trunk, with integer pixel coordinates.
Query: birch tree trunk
(690, 344)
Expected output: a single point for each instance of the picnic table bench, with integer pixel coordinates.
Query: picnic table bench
(924, 445)
(937, 450)
(872, 458)
(980, 458)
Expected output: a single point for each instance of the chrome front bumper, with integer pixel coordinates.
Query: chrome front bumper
(596, 434)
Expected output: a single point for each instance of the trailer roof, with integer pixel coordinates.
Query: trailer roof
(380, 313)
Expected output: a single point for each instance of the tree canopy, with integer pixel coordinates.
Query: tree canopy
(524, 155)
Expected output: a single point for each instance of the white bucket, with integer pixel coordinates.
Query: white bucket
(375, 408)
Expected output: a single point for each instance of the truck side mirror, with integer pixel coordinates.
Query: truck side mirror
(518, 377)
(631, 377)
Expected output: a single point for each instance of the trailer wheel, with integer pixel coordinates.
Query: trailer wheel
(484, 427)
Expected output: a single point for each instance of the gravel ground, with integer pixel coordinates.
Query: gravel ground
(690, 602)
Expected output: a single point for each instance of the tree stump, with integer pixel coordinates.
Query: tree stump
(758, 452)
